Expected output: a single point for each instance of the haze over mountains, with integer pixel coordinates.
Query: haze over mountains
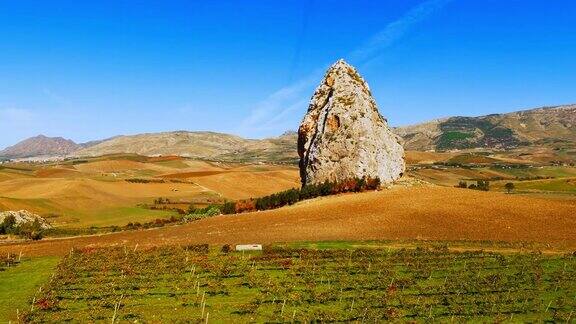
(533, 127)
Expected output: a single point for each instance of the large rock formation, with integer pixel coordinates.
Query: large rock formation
(343, 135)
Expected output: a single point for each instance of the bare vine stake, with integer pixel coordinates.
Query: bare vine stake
(293, 315)
(116, 307)
(282, 311)
(550, 303)
(207, 315)
(136, 247)
(20, 257)
(32, 306)
(203, 308)
(352, 306)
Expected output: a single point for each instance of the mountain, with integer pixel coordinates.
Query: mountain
(199, 145)
(533, 127)
(40, 146)
(529, 128)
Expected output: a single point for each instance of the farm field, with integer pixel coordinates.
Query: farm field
(401, 213)
(282, 284)
(563, 185)
(109, 191)
(19, 280)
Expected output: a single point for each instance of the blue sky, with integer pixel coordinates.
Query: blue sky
(87, 70)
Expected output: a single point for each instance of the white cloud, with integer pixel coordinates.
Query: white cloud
(273, 114)
(395, 30)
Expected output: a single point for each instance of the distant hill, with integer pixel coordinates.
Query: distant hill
(533, 127)
(536, 127)
(200, 145)
(40, 146)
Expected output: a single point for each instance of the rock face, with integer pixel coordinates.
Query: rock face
(23, 217)
(343, 136)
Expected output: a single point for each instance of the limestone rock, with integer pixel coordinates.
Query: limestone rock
(343, 135)
(23, 216)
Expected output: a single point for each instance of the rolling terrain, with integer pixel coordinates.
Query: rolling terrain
(114, 190)
(548, 130)
(110, 190)
(402, 213)
(535, 127)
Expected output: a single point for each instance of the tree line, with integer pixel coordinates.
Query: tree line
(292, 196)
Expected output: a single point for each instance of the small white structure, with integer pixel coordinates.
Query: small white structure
(249, 247)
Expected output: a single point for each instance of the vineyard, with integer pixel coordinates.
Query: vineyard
(288, 284)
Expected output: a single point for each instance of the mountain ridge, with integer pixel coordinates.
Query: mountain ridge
(530, 127)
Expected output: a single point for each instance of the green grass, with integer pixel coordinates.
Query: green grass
(546, 171)
(453, 138)
(562, 185)
(176, 164)
(19, 283)
(336, 283)
(120, 216)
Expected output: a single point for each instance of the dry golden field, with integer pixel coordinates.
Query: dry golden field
(97, 193)
(402, 213)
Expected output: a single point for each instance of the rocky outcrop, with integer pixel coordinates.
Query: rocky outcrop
(23, 217)
(343, 136)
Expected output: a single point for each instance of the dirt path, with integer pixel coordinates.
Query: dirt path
(417, 213)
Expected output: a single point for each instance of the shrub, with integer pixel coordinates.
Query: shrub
(228, 207)
(210, 210)
(244, 206)
(31, 230)
(509, 187)
(8, 225)
(226, 248)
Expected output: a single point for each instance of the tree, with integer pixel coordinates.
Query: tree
(509, 187)
(8, 225)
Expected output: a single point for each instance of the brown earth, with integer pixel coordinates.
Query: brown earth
(417, 157)
(91, 192)
(401, 213)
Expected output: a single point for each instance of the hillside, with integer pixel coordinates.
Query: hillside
(403, 213)
(533, 127)
(40, 146)
(199, 145)
(542, 127)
